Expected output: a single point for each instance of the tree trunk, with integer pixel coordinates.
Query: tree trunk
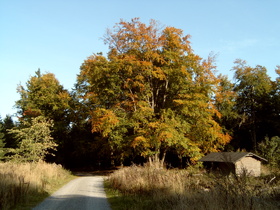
(112, 159)
(181, 161)
(156, 162)
(162, 159)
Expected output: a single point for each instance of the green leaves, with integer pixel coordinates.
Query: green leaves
(35, 141)
(43, 95)
(253, 88)
(2, 141)
(269, 148)
(156, 88)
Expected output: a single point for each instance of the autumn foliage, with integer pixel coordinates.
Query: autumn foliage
(151, 98)
(152, 92)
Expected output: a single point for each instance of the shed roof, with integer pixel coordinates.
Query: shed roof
(229, 157)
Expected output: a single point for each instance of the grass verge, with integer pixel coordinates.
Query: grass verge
(24, 185)
(153, 188)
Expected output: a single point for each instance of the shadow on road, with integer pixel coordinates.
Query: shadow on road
(93, 173)
(73, 202)
(83, 193)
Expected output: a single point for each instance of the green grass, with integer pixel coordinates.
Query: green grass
(120, 201)
(24, 185)
(153, 188)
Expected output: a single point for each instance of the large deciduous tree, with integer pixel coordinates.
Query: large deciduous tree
(253, 87)
(225, 101)
(152, 93)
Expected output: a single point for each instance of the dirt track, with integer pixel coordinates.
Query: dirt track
(83, 193)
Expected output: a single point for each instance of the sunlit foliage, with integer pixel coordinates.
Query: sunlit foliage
(152, 93)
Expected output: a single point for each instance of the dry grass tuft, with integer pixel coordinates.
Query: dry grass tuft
(20, 181)
(154, 188)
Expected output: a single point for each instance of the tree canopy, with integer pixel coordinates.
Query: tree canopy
(152, 93)
(151, 98)
(43, 95)
(253, 87)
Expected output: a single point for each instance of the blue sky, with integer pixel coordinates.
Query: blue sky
(57, 35)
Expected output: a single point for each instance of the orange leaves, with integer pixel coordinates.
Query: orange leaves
(209, 135)
(136, 83)
(174, 41)
(129, 36)
(32, 113)
(140, 140)
(164, 91)
(159, 73)
(103, 121)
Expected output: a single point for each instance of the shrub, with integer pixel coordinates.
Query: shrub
(270, 149)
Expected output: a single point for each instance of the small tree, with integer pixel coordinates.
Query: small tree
(35, 140)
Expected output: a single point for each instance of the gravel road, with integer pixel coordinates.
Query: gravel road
(83, 193)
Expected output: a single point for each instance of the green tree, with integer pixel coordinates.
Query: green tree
(35, 141)
(10, 140)
(269, 148)
(152, 93)
(253, 87)
(2, 141)
(225, 101)
(274, 106)
(44, 96)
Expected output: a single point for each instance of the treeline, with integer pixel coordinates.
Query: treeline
(150, 99)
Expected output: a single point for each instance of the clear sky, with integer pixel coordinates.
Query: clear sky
(58, 35)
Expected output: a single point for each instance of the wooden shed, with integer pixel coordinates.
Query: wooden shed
(234, 162)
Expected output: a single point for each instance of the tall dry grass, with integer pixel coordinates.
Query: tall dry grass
(154, 188)
(19, 182)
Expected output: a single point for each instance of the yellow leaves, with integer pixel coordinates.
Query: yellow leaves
(173, 40)
(210, 135)
(277, 70)
(178, 101)
(130, 36)
(153, 125)
(165, 135)
(135, 84)
(164, 90)
(103, 121)
(140, 140)
(213, 109)
(159, 73)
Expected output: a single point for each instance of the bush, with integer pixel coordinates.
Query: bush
(269, 148)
